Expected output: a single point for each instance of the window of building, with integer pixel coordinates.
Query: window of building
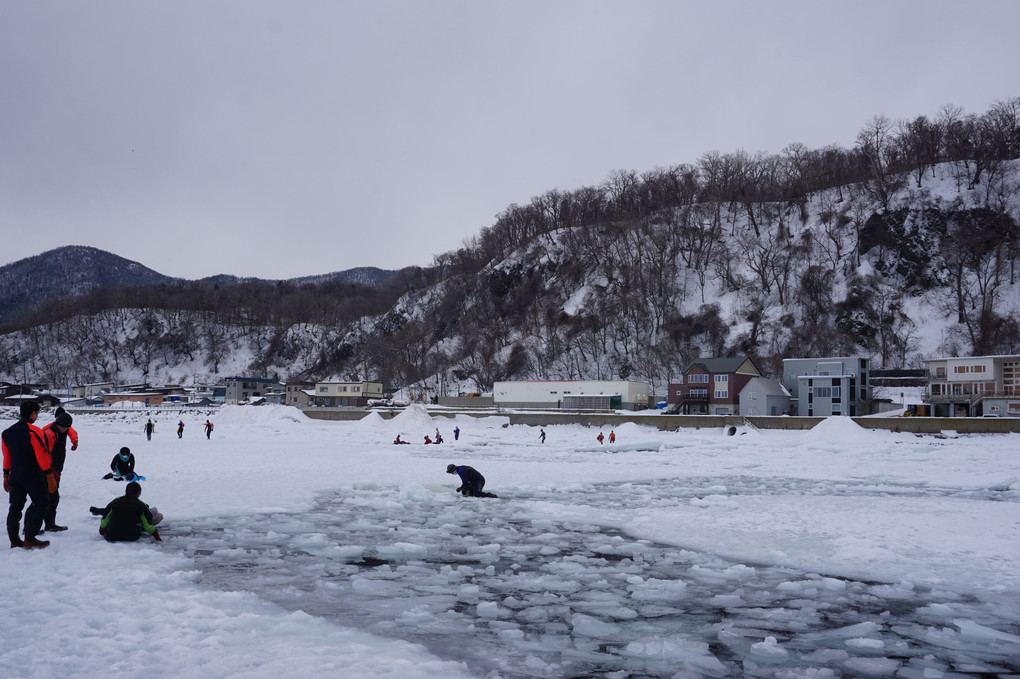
(722, 393)
(752, 395)
(322, 390)
(837, 408)
(823, 392)
(699, 392)
(722, 378)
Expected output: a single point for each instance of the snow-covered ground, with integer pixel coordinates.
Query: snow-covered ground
(295, 547)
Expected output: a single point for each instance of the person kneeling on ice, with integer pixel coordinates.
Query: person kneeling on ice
(126, 517)
(471, 482)
(123, 466)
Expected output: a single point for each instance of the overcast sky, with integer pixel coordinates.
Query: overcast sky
(281, 139)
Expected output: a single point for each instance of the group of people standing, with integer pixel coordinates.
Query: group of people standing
(33, 460)
(150, 428)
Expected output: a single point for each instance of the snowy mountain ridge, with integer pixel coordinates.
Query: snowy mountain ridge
(926, 268)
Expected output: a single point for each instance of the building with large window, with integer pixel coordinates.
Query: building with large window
(711, 386)
(974, 386)
(820, 387)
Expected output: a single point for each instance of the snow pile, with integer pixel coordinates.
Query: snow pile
(843, 430)
(240, 416)
(414, 418)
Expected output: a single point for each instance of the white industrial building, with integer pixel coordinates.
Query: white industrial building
(549, 394)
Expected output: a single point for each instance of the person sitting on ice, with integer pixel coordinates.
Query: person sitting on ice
(126, 517)
(439, 438)
(123, 466)
(471, 481)
(398, 442)
(427, 439)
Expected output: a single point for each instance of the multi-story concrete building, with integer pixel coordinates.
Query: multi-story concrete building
(246, 388)
(828, 386)
(974, 386)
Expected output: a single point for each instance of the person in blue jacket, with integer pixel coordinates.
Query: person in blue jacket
(471, 481)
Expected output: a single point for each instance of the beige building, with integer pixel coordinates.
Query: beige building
(974, 386)
(340, 394)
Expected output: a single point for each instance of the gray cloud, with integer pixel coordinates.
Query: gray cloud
(276, 140)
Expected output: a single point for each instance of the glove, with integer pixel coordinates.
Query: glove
(459, 489)
(101, 531)
(155, 534)
(56, 475)
(74, 446)
(7, 487)
(51, 483)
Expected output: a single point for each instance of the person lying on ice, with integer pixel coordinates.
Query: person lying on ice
(471, 482)
(126, 517)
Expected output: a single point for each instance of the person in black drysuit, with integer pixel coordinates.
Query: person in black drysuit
(123, 465)
(126, 517)
(27, 475)
(471, 482)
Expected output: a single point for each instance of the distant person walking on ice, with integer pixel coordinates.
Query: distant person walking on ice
(601, 438)
(541, 435)
(180, 429)
(471, 482)
(612, 437)
(149, 428)
(208, 429)
(456, 433)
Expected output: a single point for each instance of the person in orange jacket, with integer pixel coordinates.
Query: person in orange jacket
(57, 434)
(27, 474)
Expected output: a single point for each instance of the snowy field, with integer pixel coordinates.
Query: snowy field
(295, 547)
